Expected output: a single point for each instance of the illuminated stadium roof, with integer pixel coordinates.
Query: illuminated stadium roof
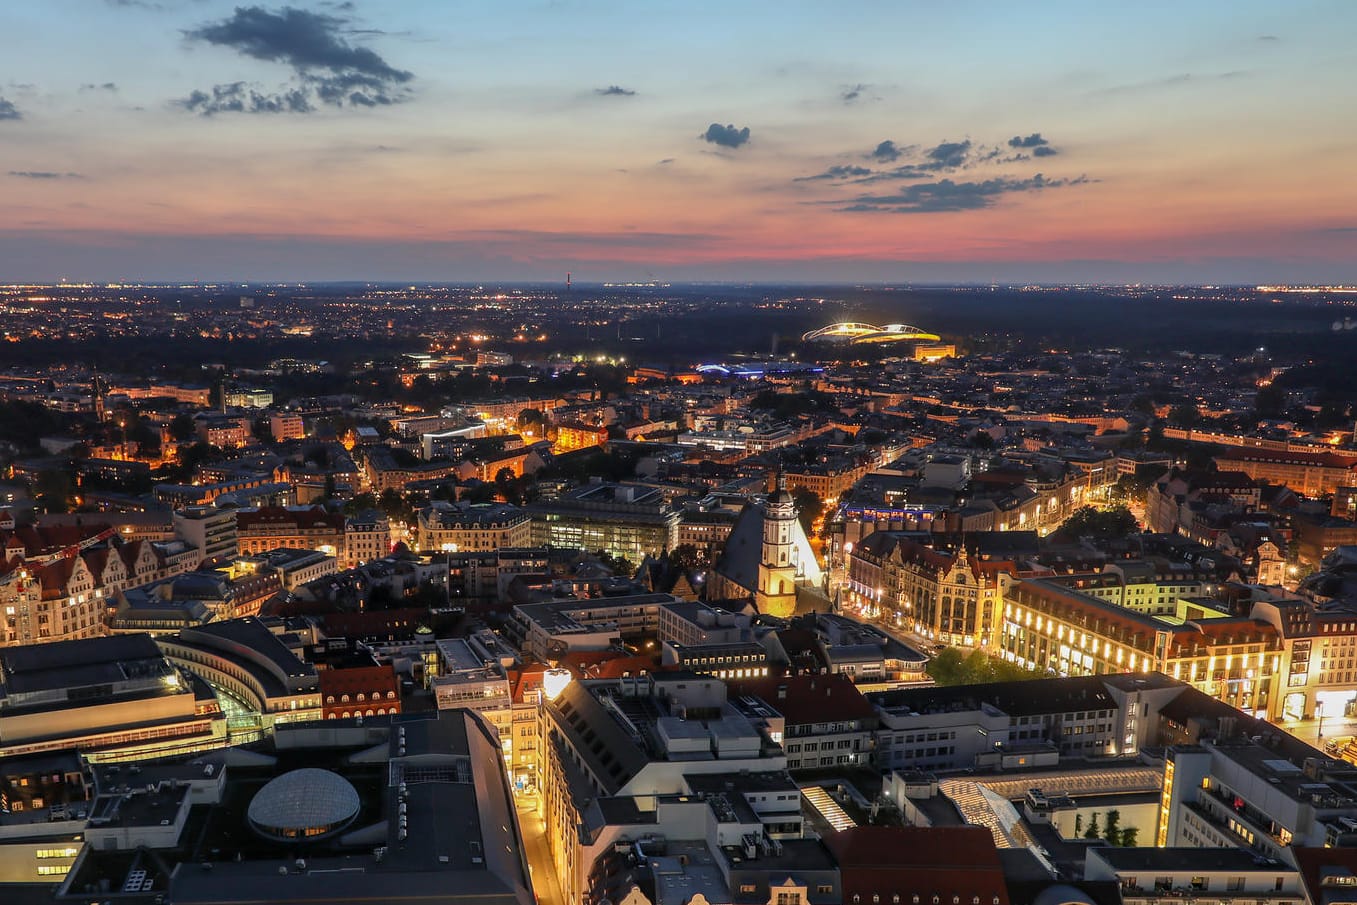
(856, 334)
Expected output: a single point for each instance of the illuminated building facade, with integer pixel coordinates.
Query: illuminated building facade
(626, 520)
(1052, 625)
(469, 528)
(114, 697)
(304, 528)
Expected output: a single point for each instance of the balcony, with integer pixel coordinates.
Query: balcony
(1264, 839)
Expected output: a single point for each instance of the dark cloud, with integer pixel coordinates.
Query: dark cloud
(949, 155)
(43, 174)
(8, 110)
(887, 152)
(238, 97)
(946, 195)
(614, 91)
(912, 163)
(726, 136)
(328, 69)
(839, 172)
(853, 93)
(1268, 38)
(101, 86)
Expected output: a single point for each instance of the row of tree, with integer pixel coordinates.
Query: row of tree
(951, 667)
(1111, 831)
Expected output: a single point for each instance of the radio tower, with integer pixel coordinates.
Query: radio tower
(567, 281)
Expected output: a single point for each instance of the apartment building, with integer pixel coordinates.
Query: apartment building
(464, 527)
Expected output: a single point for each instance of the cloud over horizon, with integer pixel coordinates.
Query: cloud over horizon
(327, 69)
(946, 196)
(614, 91)
(8, 110)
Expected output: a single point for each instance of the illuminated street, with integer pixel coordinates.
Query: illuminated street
(534, 831)
(1308, 731)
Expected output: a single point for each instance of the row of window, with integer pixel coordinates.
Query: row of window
(376, 696)
(810, 747)
(380, 711)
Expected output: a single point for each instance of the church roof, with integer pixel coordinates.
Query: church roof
(739, 560)
(743, 553)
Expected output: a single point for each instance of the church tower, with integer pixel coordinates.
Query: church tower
(99, 390)
(776, 592)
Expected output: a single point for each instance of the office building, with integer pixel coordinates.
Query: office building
(254, 664)
(630, 521)
(210, 531)
(114, 697)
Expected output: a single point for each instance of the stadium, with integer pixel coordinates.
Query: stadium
(855, 334)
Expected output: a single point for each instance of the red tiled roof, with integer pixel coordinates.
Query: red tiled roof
(366, 679)
(314, 517)
(525, 681)
(1318, 863)
(941, 862)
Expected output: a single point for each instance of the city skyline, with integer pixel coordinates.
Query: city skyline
(878, 142)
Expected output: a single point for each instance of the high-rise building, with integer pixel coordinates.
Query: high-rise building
(209, 529)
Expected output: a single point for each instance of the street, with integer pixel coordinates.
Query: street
(540, 866)
(1308, 730)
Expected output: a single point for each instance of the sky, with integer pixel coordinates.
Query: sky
(1196, 141)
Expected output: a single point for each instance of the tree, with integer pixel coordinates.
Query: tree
(1108, 524)
(53, 488)
(394, 505)
(949, 667)
(181, 428)
(685, 557)
(808, 507)
(479, 492)
(1129, 837)
(1143, 404)
(531, 420)
(1078, 824)
(193, 456)
(360, 504)
(1270, 401)
(1092, 831)
(1112, 831)
(1185, 415)
(618, 565)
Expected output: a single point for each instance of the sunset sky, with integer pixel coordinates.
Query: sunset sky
(801, 141)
